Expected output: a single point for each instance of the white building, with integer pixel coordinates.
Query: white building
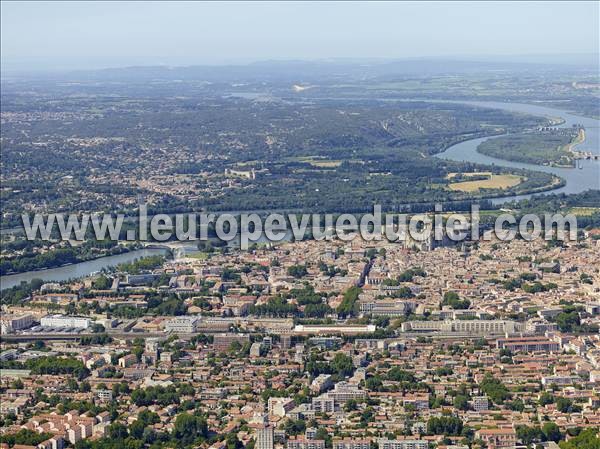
(464, 327)
(11, 323)
(351, 443)
(280, 406)
(264, 437)
(255, 349)
(334, 399)
(386, 307)
(480, 403)
(104, 395)
(344, 391)
(403, 444)
(321, 383)
(65, 321)
(303, 443)
(343, 329)
(323, 404)
(182, 325)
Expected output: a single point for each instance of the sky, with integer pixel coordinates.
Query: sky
(88, 35)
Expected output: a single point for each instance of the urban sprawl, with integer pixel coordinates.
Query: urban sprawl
(312, 345)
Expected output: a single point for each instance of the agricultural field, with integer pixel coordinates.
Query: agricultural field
(320, 162)
(584, 211)
(492, 181)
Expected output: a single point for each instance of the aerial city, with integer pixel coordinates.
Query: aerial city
(300, 225)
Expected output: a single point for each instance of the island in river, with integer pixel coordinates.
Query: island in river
(551, 147)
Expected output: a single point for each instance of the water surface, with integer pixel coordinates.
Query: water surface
(577, 179)
(77, 270)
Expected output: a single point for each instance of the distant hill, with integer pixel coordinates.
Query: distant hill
(331, 69)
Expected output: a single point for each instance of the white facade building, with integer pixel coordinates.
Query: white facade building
(264, 437)
(403, 444)
(65, 321)
(11, 323)
(480, 403)
(182, 325)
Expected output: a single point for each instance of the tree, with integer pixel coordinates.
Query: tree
(294, 426)
(494, 389)
(323, 434)
(188, 428)
(397, 374)
(516, 405)
(461, 402)
(453, 300)
(347, 306)
(235, 346)
(72, 384)
(297, 271)
(587, 439)
(138, 351)
(566, 405)
(551, 432)
(408, 275)
(528, 435)
(374, 383)
(367, 416)
(136, 429)
(568, 321)
(25, 437)
(444, 425)
(342, 364)
(350, 405)
(36, 284)
(546, 398)
(117, 431)
(233, 442)
(101, 283)
(443, 371)
(316, 310)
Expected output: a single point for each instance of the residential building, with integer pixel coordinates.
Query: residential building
(63, 321)
(498, 438)
(264, 437)
(351, 443)
(528, 344)
(222, 342)
(303, 443)
(402, 444)
(181, 325)
(12, 323)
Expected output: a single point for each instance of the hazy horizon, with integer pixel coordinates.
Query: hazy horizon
(78, 36)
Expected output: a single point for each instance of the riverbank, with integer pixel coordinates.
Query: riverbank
(578, 140)
(78, 270)
(585, 177)
(75, 258)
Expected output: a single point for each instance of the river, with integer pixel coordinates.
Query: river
(77, 270)
(577, 180)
